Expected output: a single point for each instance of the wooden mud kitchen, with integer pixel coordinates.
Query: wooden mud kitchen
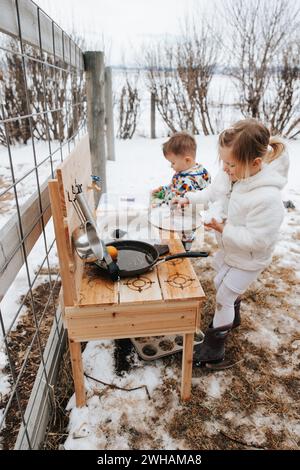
(164, 301)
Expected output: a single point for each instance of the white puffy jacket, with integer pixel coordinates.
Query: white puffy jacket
(254, 213)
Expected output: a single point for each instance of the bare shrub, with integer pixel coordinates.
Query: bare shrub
(179, 74)
(128, 103)
(197, 55)
(281, 106)
(261, 66)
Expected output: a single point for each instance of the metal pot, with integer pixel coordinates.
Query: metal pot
(82, 245)
(95, 242)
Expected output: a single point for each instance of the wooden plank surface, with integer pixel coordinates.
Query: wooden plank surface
(143, 288)
(68, 281)
(164, 283)
(129, 321)
(76, 168)
(11, 252)
(96, 290)
(178, 279)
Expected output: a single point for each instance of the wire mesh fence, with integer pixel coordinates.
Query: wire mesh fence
(42, 116)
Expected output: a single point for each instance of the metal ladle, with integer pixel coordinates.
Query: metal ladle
(94, 240)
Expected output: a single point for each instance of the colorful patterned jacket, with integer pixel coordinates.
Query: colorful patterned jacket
(194, 179)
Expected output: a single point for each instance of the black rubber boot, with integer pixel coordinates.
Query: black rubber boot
(213, 347)
(237, 316)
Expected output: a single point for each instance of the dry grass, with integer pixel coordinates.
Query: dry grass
(296, 236)
(5, 199)
(19, 341)
(57, 429)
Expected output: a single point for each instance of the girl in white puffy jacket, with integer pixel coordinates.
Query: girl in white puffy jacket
(255, 167)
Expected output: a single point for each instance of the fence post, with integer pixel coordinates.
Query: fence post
(153, 116)
(110, 133)
(94, 67)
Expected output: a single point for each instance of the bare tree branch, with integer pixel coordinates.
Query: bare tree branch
(260, 31)
(129, 106)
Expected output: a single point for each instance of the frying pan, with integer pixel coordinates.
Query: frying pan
(137, 257)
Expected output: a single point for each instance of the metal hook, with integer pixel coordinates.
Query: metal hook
(77, 188)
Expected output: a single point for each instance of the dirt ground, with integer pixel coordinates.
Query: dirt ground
(19, 342)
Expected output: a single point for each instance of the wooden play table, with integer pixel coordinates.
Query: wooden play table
(164, 301)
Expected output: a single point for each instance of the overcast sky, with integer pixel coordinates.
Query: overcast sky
(123, 24)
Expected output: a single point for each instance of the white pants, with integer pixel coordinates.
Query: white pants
(230, 283)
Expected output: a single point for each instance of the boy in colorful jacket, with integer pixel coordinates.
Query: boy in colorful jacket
(180, 151)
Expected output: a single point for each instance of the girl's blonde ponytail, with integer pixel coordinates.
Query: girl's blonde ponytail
(249, 139)
(278, 148)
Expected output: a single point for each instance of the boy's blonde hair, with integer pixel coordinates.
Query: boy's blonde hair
(249, 139)
(181, 143)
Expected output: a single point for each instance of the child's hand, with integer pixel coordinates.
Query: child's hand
(214, 225)
(156, 190)
(179, 202)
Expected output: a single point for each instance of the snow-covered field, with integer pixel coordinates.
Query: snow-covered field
(268, 343)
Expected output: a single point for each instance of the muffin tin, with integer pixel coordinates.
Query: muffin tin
(153, 347)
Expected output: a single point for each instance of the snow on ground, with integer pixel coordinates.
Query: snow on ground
(117, 419)
(98, 424)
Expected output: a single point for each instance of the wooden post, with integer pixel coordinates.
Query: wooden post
(187, 365)
(109, 119)
(77, 369)
(153, 116)
(94, 67)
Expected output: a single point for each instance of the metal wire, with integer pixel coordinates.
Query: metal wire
(73, 116)
(41, 113)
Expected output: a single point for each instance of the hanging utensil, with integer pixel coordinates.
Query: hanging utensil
(100, 251)
(82, 245)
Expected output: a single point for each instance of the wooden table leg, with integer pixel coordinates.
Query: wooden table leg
(198, 319)
(77, 369)
(187, 365)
